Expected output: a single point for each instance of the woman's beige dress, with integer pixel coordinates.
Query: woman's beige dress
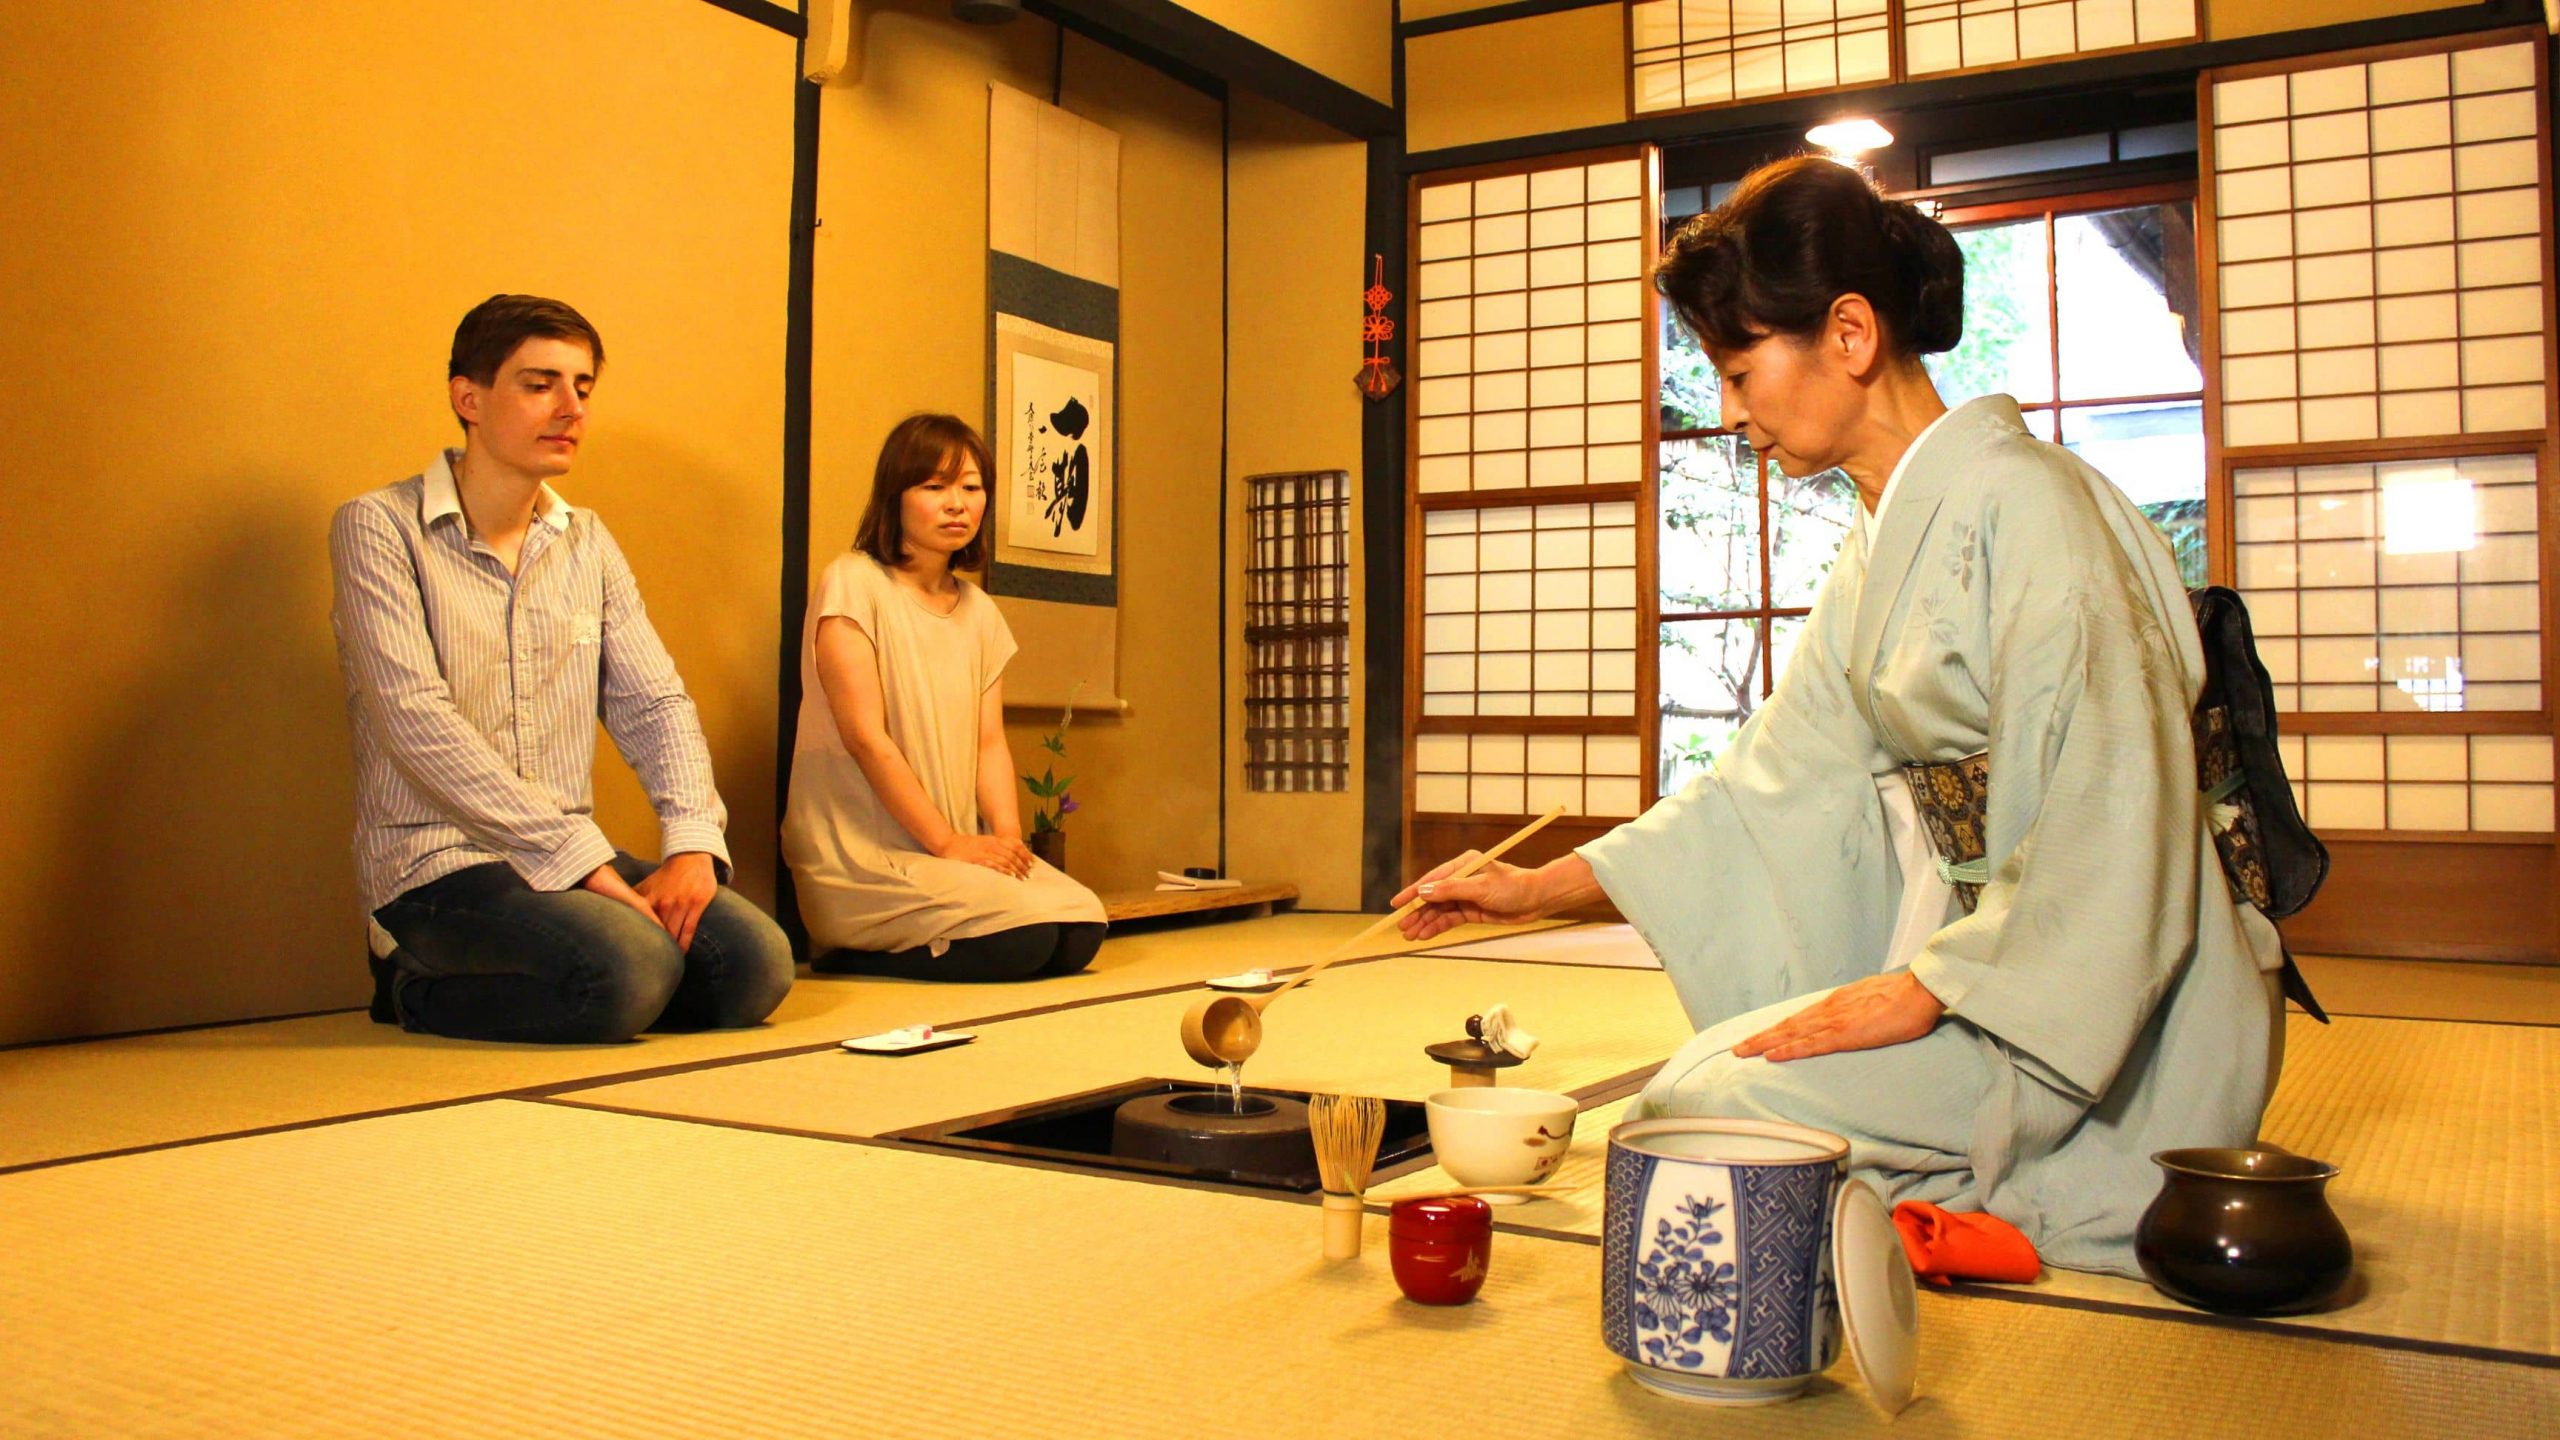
(865, 883)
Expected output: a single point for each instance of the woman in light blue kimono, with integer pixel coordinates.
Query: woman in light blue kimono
(2106, 997)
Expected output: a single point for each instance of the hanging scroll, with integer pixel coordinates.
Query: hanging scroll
(1053, 328)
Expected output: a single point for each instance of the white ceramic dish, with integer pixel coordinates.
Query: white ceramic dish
(1249, 981)
(906, 1042)
(1496, 1135)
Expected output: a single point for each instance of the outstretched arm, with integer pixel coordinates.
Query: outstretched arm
(849, 673)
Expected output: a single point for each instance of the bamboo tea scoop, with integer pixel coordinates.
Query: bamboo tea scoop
(1227, 1029)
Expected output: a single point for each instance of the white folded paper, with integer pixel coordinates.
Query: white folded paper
(1501, 1032)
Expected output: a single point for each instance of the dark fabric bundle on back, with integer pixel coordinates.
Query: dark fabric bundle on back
(2273, 859)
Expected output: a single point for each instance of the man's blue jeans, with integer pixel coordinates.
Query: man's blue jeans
(484, 956)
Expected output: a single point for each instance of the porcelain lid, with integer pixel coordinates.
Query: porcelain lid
(1879, 1309)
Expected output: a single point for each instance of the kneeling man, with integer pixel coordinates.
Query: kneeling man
(483, 625)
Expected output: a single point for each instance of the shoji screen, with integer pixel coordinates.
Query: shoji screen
(1531, 534)
(2380, 397)
(1689, 53)
(1939, 36)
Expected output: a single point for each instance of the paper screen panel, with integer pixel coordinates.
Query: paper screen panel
(2400, 586)
(1520, 774)
(1529, 610)
(1529, 330)
(2493, 783)
(1939, 36)
(2378, 245)
(1688, 53)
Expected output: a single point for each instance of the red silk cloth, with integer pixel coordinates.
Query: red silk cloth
(1948, 1245)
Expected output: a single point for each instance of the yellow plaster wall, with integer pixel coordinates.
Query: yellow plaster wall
(1562, 71)
(1347, 40)
(238, 243)
(901, 326)
(1295, 272)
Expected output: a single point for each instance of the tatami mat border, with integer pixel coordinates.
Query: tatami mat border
(653, 1072)
(147, 1033)
(2254, 1324)
(2432, 1019)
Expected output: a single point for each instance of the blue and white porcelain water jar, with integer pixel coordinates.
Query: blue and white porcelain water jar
(1723, 1255)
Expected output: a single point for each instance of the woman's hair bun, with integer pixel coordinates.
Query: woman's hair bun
(1933, 268)
(1796, 235)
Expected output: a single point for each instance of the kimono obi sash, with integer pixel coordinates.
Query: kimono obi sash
(2269, 855)
(1954, 801)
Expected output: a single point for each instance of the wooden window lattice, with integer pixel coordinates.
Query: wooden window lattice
(1297, 632)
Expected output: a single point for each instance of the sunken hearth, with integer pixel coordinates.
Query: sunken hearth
(1175, 1129)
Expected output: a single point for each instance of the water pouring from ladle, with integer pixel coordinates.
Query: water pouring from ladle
(1226, 1029)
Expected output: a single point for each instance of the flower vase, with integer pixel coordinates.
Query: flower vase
(1051, 847)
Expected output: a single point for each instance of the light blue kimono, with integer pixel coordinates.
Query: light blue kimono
(2107, 998)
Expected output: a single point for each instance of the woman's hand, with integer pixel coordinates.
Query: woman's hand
(1867, 1014)
(1499, 894)
(1005, 857)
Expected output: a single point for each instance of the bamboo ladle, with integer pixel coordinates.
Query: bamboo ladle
(1227, 1029)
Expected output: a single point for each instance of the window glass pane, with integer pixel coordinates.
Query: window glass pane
(2128, 282)
(1808, 521)
(2178, 137)
(1710, 552)
(1710, 685)
(2008, 331)
(1955, 167)
(2155, 454)
(1689, 384)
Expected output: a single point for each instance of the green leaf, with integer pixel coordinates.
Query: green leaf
(1054, 744)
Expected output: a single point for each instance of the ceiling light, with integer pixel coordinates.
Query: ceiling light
(1850, 137)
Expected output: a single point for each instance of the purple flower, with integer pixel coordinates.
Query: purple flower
(1067, 804)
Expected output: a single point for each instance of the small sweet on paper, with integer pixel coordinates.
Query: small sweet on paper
(1499, 1031)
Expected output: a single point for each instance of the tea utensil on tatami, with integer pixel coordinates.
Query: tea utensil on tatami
(1227, 1029)
(1347, 1130)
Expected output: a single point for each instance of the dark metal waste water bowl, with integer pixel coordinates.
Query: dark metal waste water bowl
(1176, 1129)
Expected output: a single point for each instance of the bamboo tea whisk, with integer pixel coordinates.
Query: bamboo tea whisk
(1347, 1130)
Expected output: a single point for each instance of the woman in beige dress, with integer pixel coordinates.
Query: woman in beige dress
(904, 830)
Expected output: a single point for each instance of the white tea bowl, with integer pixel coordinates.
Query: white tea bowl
(1490, 1135)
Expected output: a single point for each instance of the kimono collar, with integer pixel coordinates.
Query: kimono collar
(1919, 482)
(1884, 499)
(443, 497)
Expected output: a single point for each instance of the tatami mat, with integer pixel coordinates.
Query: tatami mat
(2447, 1138)
(1618, 945)
(58, 1101)
(520, 1269)
(1358, 1030)
(2435, 989)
